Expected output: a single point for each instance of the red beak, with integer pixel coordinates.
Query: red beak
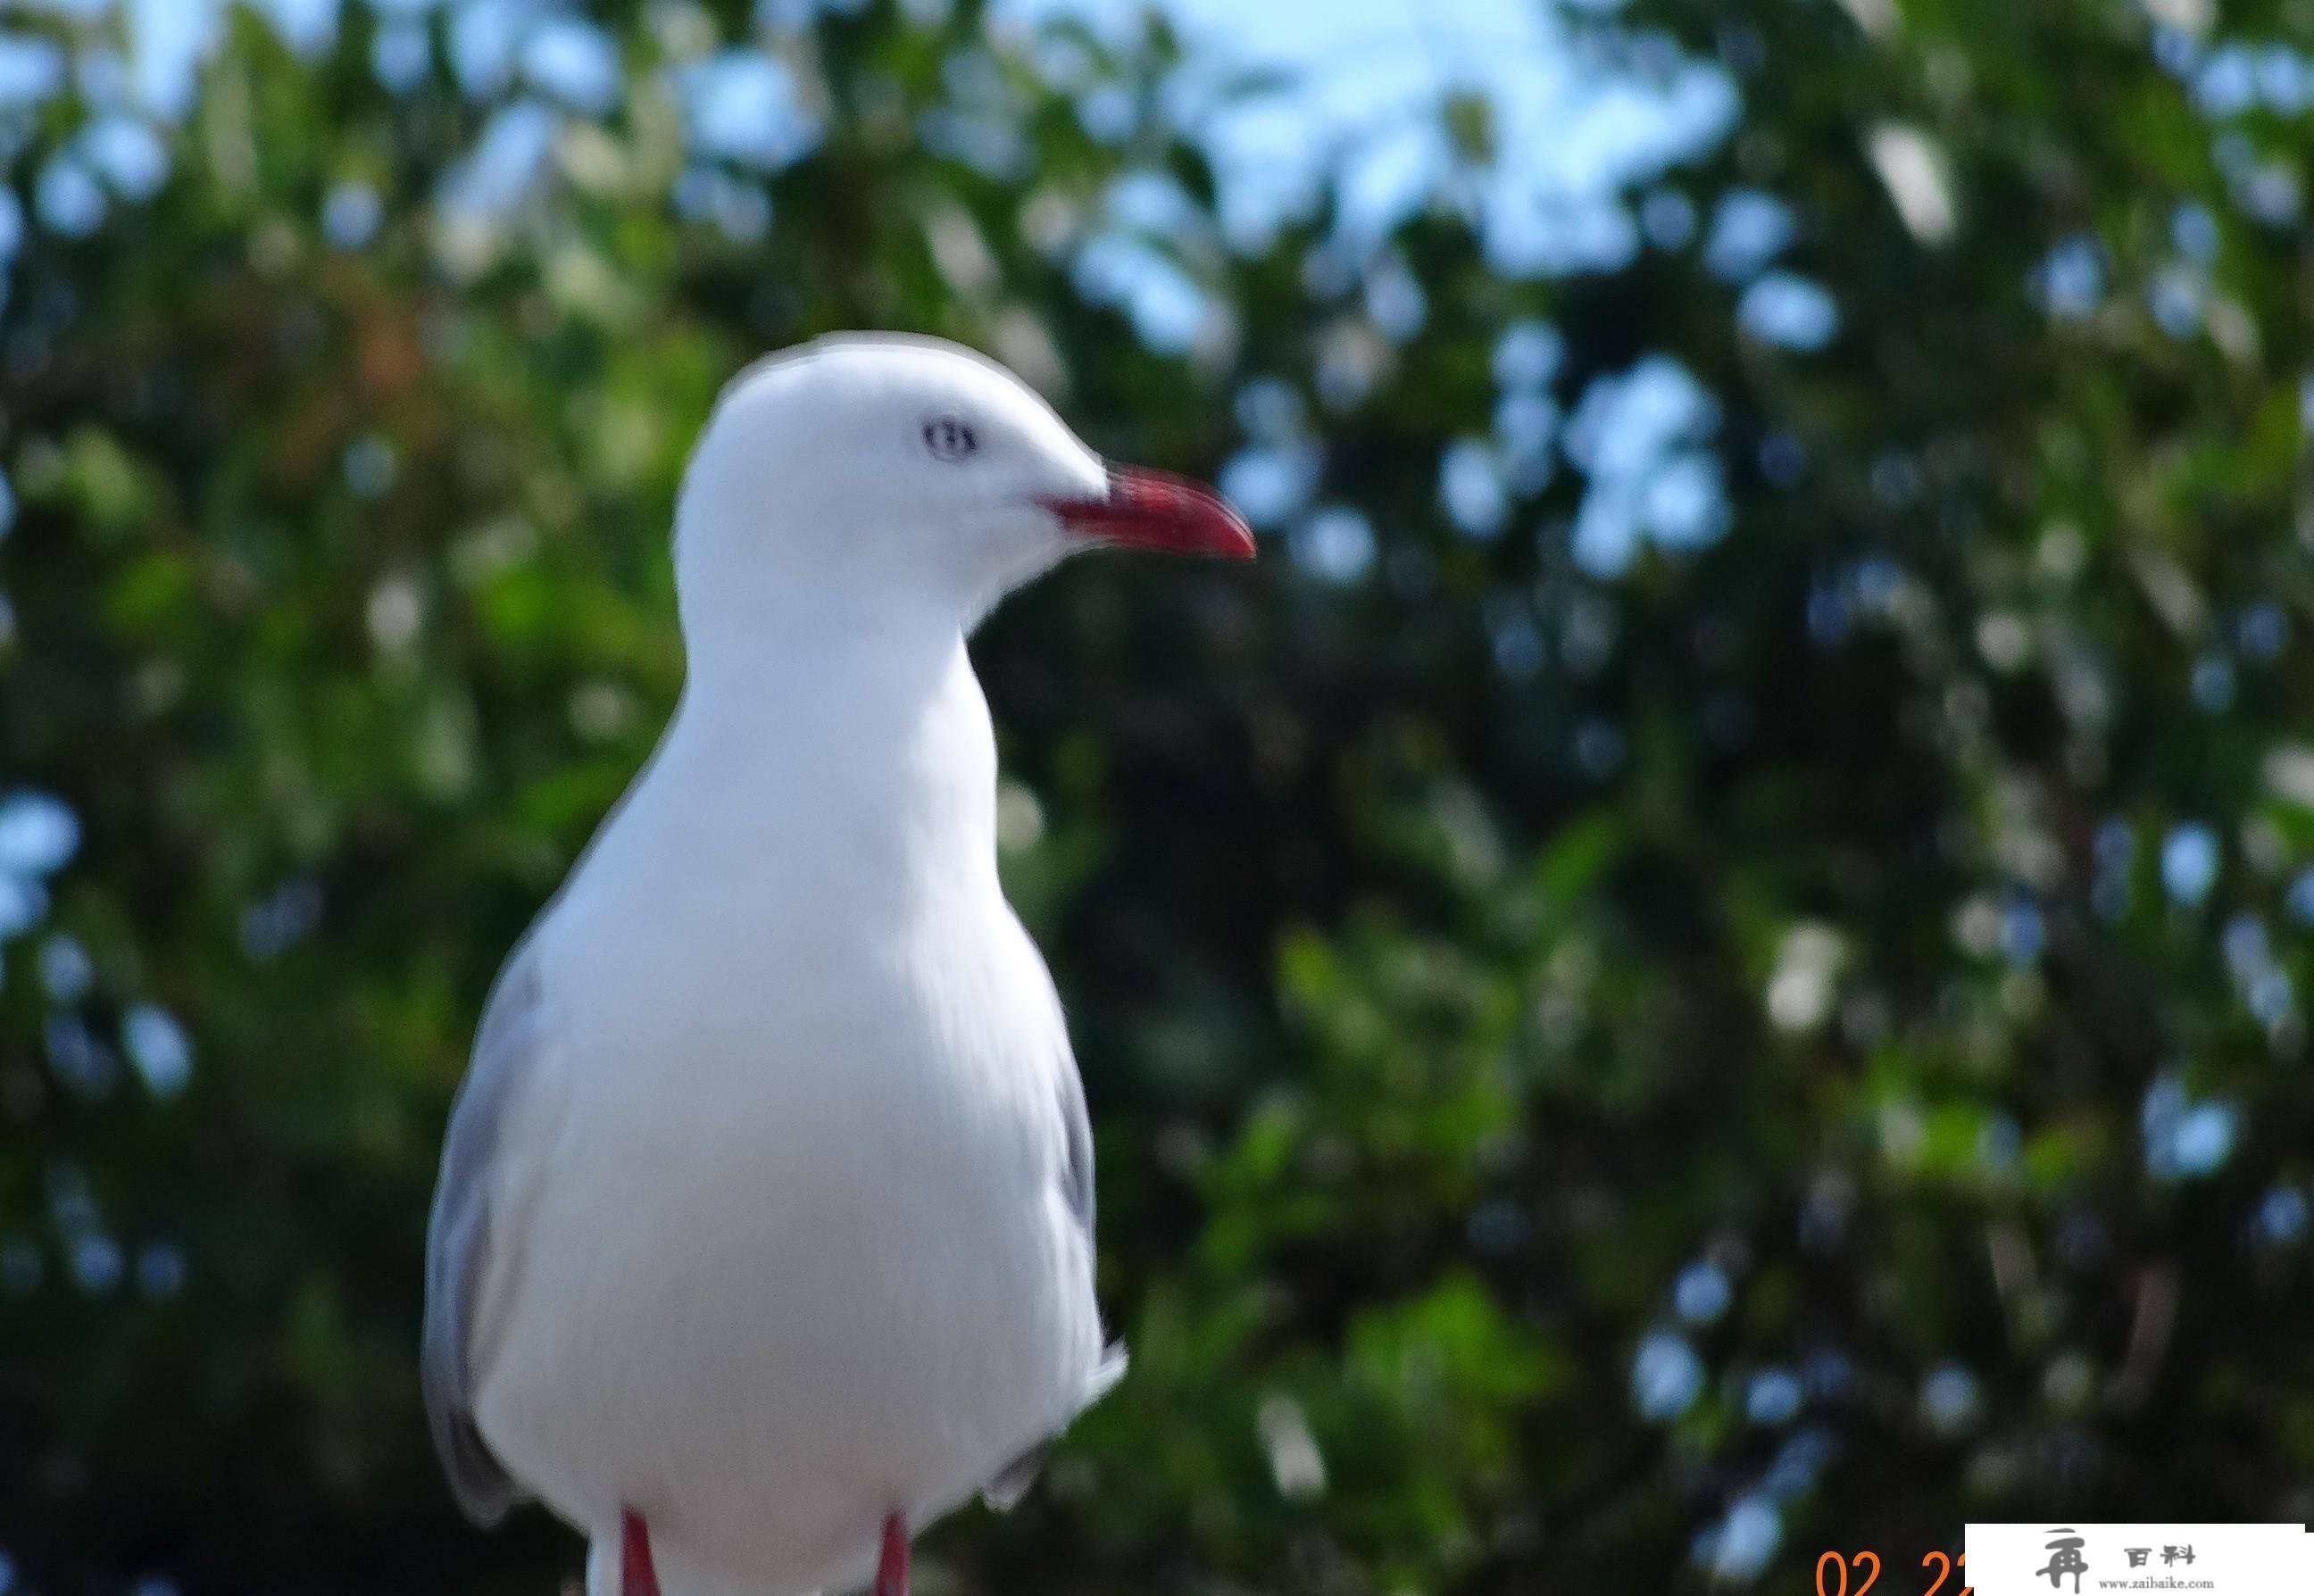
(1155, 509)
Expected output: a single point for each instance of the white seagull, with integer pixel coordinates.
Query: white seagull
(764, 1233)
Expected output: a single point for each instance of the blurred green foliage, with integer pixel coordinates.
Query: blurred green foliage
(1706, 963)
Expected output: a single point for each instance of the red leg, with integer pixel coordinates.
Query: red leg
(637, 1577)
(892, 1570)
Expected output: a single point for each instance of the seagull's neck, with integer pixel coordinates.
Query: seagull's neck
(792, 658)
(853, 727)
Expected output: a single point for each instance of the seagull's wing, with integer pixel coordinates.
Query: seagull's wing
(1014, 1480)
(1077, 1131)
(506, 1051)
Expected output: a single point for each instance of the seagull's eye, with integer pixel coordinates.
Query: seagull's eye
(949, 437)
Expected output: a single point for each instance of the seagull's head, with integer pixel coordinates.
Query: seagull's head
(909, 470)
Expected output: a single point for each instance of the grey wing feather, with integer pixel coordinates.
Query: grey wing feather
(1076, 1126)
(1012, 1481)
(458, 1237)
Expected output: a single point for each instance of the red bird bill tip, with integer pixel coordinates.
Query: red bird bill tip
(1159, 510)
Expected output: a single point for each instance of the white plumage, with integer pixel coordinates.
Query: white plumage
(767, 1209)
